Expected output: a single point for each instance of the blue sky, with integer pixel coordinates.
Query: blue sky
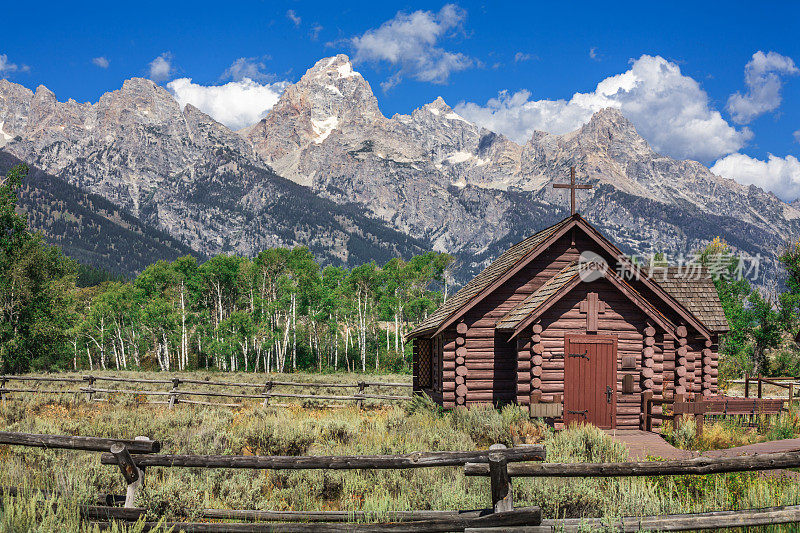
(677, 65)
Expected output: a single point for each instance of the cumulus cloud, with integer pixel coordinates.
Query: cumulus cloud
(7, 67)
(236, 104)
(246, 67)
(762, 75)
(291, 15)
(780, 175)
(101, 62)
(161, 67)
(670, 110)
(410, 43)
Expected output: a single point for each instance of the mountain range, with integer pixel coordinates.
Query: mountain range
(326, 168)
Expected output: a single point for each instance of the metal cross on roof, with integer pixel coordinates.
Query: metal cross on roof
(572, 186)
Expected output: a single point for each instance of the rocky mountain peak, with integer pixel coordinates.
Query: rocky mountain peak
(330, 99)
(438, 105)
(609, 125)
(336, 67)
(43, 94)
(132, 84)
(7, 87)
(331, 88)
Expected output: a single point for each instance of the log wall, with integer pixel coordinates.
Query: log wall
(621, 318)
(493, 371)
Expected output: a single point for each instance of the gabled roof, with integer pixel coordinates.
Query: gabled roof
(513, 259)
(489, 275)
(694, 288)
(532, 302)
(562, 283)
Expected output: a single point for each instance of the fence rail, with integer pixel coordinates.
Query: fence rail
(697, 466)
(499, 464)
(682, 405)
(333, 462)
(776, 382)
(175, 395)
(715, 520)
(70, 442)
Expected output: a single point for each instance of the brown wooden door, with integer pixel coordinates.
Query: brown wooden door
(590, 380)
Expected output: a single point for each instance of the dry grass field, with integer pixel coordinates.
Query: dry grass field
(308, 429)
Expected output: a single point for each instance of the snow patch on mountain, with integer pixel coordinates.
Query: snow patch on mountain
(323, 128)
(4, 137)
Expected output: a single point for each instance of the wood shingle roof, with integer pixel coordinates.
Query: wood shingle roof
(532, 302)
(693, 295)
(694, 288)
(491, 273)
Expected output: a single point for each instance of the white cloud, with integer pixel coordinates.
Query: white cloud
(161, 67)
(521, 56)
(409, 43)
(7, 67)
(670, 110)
(314, 33)
(593, 53)
(291, 15)
(246, 67)
(101, 62)
(797, 136)
(762, 75)
(236, 104)
(780, 175)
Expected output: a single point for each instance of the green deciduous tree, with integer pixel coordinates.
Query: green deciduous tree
(37, 300)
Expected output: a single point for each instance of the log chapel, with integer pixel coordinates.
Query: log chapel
(563, 316)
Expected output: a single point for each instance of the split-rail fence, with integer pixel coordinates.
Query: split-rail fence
(500, 464)
(145, 388)
(683, 405)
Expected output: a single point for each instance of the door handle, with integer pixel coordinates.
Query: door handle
(609, 394)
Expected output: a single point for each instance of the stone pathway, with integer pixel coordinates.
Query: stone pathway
(773, 446)
(643, 444)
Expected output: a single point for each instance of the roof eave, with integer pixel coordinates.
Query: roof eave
(652, 285)
(557, 234)
(621, 285)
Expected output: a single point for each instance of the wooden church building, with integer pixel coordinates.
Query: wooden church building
(565, 317)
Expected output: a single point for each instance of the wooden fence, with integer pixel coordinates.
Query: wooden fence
(133, 468)
(498, 463)
(678, 522)
(264, 391)
(681, 405)
(790, 384)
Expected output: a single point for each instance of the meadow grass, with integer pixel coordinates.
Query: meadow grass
(302, 430)
(733, 431)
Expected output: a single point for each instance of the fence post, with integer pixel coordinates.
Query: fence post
(4, 380)
(501, 484)
(677, 412)
(134, 476)
(360, 401)
(746, 385)
(791, 395)
(535, 398)
(759, 385)
(90, 391)
(647, 410)
(267, 392)
(173, 394)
